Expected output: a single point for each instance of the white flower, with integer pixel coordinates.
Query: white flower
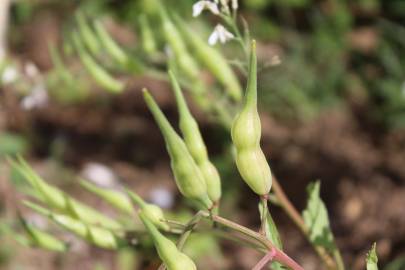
(162, 197)
(220, 33)
(202, 5)
(100, 175)
(235, 4)
(31, 70)
(9, 75)
(36, 99)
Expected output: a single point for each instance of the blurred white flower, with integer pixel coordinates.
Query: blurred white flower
(100, 175)
(36, 99)
(220, 33)
(9, 75)
(235, 4)
(162, 197)
(202, 5)
(31, 70)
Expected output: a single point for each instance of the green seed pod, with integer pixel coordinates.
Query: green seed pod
(167, 250)
(246, 133)
(100, 75)
(153, 212)
(42, 239)
(57, 199)
(112, 48)
(98, 236)
(115, 198)
(184, 60)
(195, 143)
(147, 38)
(188, 177)
(212, 60)
(87, 35)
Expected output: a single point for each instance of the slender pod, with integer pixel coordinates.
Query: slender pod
(87, 35)
(57, 199)
(153, 212)
(212, 60)
(115, 198)
(167, 250)
(188, 177)
(43, 239)
(148, 40)
(100, 75)
(98, 236)
(246, 133)
(195, 143)
(112, 48)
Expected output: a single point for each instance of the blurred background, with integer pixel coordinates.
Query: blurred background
(333, 109)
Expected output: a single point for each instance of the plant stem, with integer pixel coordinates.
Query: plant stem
(265, 260)
(338, 259)
(292, 212)
(263, 200)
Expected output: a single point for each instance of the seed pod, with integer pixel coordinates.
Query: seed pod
(57, 199)
(87, 35)
(153, 212)
(188, 177)
(147, 38)
(195, 143)
(246, 133)
(98, 236)
(167, 250)
(112, 48)
(115, 198)
(100, 75)
(42, 239)
(212, 60)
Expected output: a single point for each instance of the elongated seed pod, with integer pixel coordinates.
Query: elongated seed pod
(115, 198)
(246, 133)
(148, 40)
(167, 250)
(212, 60)
(98, 236)
(195, 143)
(87, 35)
(188, 177)
(110, 45)
(57, 199)
(43, 239)
(100, 75)
(153, 212)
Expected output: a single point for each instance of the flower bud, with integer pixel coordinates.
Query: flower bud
(153, 212)
(212, 60)
(246, 133)
(195, 143)
(188, 177)
(42, 239)
(57, 199)
(167, 250)
(115, 198)
(100, 75)
(112, 48)
(98, 236)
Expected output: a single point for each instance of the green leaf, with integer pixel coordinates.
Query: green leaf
(272, 234)
(372, 258)
(317, 220)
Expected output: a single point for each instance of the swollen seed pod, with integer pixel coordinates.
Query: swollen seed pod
(212, 60)
(87, 35)
(167, 250)
(57, 199)
(246, 133)
(100, 75)
(112, 48)
(115, 198)
(195, 143)
(98, 236)
(42, 239)
(188, 177)
(153, 212)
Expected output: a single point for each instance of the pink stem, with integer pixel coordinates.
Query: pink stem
(286, 260)
(265, 260)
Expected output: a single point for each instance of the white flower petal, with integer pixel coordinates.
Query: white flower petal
(235, 4)
(220, 33)
(10, 74)
(202, 5)
(36, 99)
(213, 39)
(100, 175)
